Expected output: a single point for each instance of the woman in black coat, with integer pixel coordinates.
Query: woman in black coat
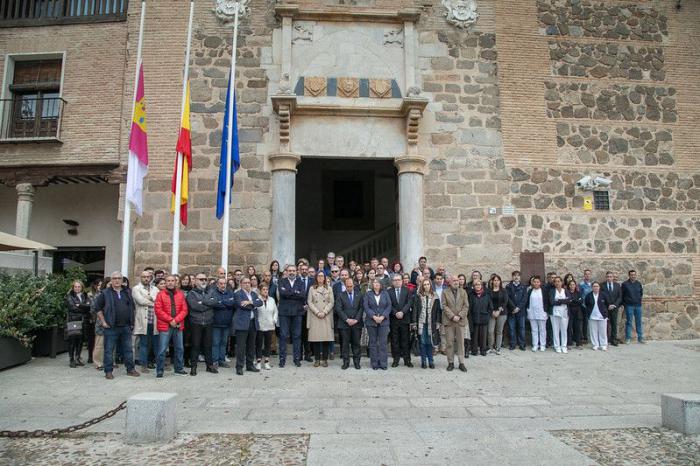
(576, 312)
(480, 307)
(77, 310)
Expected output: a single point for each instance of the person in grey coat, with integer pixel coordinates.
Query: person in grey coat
(377, 305)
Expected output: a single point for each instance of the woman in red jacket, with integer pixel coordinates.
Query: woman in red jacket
(170, 309)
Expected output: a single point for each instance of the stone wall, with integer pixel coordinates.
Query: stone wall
(590, 18)
(605, 145)
(615, 102)
(607, 60)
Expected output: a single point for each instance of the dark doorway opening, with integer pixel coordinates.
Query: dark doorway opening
(90, 259)
(347, 206)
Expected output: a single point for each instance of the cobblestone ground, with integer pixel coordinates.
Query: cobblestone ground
(188, 449)
(634, 446)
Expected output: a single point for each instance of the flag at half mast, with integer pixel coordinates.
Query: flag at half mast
(138, 149)
(184, 147)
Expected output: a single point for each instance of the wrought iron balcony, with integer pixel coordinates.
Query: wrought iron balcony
(31, 118)
(50, 12)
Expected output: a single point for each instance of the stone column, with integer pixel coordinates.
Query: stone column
(411, 169)
(25, 201)
(284, 168)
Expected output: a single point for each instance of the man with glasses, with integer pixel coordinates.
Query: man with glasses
(307, 280)
(245, 326)
(335, 275)
(330, 262)
(115, 314)
(144, 295)
(221, 300)
(171, 310)
(201, 319)
(290, 312)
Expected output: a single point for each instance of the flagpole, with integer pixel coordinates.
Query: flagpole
(126, 223)
(232, 90)
(178, 173)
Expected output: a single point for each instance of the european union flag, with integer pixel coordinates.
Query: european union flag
(235, 155)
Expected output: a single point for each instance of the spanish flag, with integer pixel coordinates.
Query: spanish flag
(184, 147)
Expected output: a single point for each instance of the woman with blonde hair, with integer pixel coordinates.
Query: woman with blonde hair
(319, 318)
(77, 309)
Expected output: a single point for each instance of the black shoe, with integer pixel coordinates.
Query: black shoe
(357, 364)
(431, 365)
(298, 363)
(72, 364)
(614, 343)
(81, 363)
(395, 363)
(159, 375)
(225, 365)
(408, 364)
(511, 348)
(450, 367)
(252, 369)
(466, 354)
(151, 365)
(462, 368)
(187, 364)
(423, 365)
(522, 348)
(475, 353)
(212, 369)
(181, 372)
(345, 365)
(193, 370)
(282, 363)
(90, 361)
(239, 370)
(484, 353)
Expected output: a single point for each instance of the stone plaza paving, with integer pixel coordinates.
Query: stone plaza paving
(584, 407)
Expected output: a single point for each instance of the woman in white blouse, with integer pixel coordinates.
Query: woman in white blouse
(267, 319)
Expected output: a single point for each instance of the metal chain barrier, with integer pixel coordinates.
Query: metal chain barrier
(65, 430)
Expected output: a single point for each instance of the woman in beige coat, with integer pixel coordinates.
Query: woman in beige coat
(319, 318)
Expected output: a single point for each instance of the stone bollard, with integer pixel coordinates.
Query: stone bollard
(150, 417)
(681, 412)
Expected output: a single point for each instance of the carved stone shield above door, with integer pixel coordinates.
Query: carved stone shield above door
(461, 13)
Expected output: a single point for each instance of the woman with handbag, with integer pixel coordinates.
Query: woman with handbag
(77, 309)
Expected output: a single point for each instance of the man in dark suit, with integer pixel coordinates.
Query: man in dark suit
(339, 286)
(290, 311)
(348, 310)
(245, 326)
(307, 282)
(613, 293)
(400, 322)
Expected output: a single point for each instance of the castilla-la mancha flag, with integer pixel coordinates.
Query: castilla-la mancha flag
(184, 147)
(138, 149)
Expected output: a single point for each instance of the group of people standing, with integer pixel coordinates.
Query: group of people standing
(369, 304)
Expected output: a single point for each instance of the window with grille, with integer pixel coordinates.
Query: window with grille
(34, 108)
(601, 200)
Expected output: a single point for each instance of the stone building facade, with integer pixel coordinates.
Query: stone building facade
(490, 125)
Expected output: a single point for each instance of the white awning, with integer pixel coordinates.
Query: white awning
(10, 242)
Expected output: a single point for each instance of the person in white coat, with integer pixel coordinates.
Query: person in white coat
(145, 327)
(267, 319)
(536, 308)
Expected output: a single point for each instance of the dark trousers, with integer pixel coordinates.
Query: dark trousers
(245, 346)
(577, 323)
(377, 345)
(89, 336)
(263, 343)
(201, 340)
(613, 316)
(290, 326)
(400, 338)
(480, 338)
(550, 333)
(321, 349)
(516, 326)
(351, 337)
(306, 345)
(75, 346)
(119, 338)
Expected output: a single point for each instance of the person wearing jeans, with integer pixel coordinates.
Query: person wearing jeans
(115, 314)
(170, 309)
(500, 303)
(632, 294)
(517, 294)
(221, 300)
(145, 327)
(426, 308)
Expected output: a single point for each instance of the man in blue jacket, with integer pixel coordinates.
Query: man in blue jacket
(221, 300)
(632, 294)
(290, 314)
(245, 324)
(517, 293)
